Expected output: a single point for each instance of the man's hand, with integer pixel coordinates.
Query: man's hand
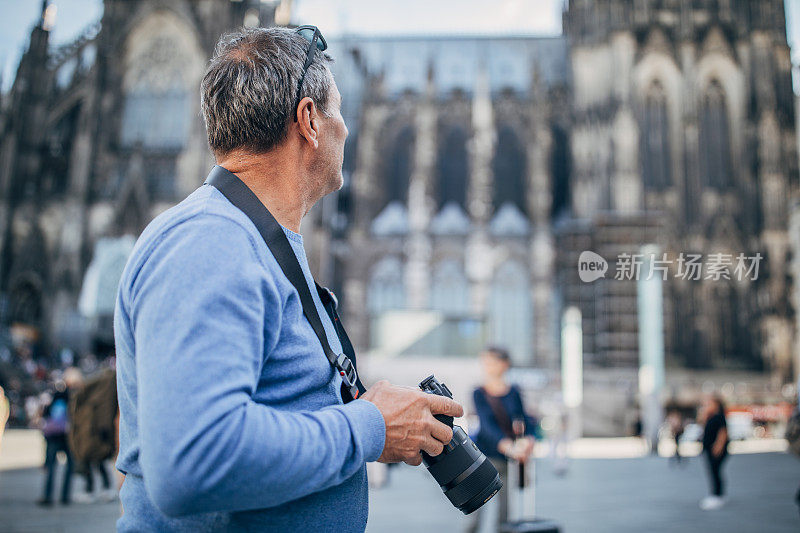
(410, 425)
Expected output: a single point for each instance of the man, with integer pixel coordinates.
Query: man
(231, 417)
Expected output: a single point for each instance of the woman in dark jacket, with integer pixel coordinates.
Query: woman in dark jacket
(54, 428)
(506, 430)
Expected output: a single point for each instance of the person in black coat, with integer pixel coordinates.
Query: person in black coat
(715, 450)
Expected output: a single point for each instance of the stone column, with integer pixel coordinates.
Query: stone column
(479, 257)
(363, 192)
(540, 245)
(420, 202)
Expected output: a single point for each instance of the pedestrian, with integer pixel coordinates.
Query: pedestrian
(93, 433)
(499, 406)
(792, 436)
(55, 425)
(638, 432)
(715, 450)
(676, 426)
(5, 413)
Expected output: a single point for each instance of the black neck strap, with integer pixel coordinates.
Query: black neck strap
(246, 201)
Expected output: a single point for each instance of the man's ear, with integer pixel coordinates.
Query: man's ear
(307, 122)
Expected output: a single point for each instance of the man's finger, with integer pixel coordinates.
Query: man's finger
(441, 405)
(432, 447)
(415, 461)
(441, 432)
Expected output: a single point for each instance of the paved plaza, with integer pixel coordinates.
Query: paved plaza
(618, 495)
(597, 495)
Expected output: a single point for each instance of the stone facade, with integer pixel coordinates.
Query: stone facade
(430, 229)
(97, 138)
(654, 122)
(477, 169)
(683, 134)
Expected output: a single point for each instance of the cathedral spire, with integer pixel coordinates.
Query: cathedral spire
(430, 79)
(48, 17)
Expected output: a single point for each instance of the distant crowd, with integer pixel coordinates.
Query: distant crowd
(73, 401)
(28, 378)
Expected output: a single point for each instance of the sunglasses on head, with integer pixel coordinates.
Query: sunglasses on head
(315, 42)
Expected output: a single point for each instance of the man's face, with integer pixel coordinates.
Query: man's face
(333, 133)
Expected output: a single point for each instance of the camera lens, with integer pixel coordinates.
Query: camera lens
(466, 476)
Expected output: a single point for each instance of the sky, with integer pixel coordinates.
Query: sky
(17, 18)
(337, 17)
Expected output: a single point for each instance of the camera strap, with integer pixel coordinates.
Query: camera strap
(247, 202)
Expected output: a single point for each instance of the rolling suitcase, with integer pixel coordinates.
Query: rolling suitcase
(521, 489)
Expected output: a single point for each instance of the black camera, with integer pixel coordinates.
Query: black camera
(466, 477)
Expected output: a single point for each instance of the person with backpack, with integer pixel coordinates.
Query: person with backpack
(55, 425)
(93, 433)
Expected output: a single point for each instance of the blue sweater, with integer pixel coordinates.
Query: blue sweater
(230, 415)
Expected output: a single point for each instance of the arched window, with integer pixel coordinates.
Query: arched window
(399, 166)
(450, 289)
(162, 69)
(715, 151)
(386, 288)
(156, 113)
(654, 139)
(509, 166)
(393, 216)
(453, 168)
(509, 198)
(511, 311)
(452, 180)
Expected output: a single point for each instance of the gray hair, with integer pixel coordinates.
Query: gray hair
(249, 89)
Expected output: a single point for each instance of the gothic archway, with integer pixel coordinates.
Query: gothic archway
(715, 147)
(654, 139)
